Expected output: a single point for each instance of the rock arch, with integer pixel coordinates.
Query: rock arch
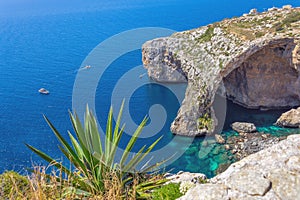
(260, 73)
(265, 76)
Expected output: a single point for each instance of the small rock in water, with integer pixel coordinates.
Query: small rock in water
(227, 147)
(219, 139)
(233, 151)
(290, 118)
(243, 127)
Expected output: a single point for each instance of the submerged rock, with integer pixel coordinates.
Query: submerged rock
(290, 119)
(268, 174)
(243, 127)
(247, 144)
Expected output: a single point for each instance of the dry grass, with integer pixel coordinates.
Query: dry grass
(40, 185)
(36, 186)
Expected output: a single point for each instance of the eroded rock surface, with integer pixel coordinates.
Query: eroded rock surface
(186, 176)
(253, 60)
(243, 127)
(272, 173)
(290, 118)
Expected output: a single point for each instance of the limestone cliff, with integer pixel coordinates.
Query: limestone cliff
(253, 60)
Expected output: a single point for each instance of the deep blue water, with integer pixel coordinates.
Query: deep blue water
(44, 44)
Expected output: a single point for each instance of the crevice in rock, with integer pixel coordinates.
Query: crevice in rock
(268, 189)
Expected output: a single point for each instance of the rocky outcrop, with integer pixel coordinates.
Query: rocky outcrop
(243, 127)
(253, 60)
(186, 176)
(273, 173)
(290, 119)
(246, 144)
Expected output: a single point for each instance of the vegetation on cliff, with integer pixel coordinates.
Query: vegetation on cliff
(262, 45)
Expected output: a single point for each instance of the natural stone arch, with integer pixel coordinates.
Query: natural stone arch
(265, 76)
(237, 50)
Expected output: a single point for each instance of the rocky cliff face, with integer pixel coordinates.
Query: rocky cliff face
(253, 60)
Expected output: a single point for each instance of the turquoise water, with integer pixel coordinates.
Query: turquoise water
(42, 44)
(205, 155)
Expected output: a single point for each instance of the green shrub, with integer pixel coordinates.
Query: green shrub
(205, 122)
(221, 64)
(259, 34)
(206, 37)
(167, 192)
(291, 18)
(13, 185)
(96, 171)
(287, 21)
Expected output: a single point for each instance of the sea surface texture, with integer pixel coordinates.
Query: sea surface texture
(43, 45)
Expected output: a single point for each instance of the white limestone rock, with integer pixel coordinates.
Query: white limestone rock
(271, 174)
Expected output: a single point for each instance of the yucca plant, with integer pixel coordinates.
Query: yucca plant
(94, 161)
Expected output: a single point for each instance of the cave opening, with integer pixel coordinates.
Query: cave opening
(267, 79)
(259, 87)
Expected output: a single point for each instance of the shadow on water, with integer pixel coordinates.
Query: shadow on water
(204, 155)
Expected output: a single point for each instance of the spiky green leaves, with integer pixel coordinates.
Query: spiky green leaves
(92, 160)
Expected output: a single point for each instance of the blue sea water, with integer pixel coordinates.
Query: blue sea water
(43, 43)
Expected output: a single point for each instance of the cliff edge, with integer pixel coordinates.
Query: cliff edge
(254, 60)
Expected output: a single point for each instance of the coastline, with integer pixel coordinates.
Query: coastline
(228, 58)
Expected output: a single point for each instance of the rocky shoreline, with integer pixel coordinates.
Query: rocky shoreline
(254, 60)
(248, 140)
(244, 144)
(262, 165)
(272, 173)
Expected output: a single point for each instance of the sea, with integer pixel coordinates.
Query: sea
(45, 44)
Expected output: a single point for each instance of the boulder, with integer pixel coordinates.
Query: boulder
(186, 176)
(290, 119)
(243, 127)
(287, 7)
(253, 11)
(219, 139)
